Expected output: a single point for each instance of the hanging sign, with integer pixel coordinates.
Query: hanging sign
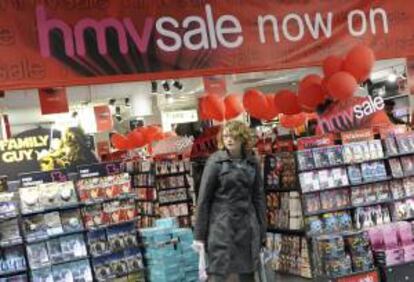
(89, 42)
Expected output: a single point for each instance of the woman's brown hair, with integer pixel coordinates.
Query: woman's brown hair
(239, 131)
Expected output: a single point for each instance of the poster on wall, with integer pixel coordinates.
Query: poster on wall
(32, 151)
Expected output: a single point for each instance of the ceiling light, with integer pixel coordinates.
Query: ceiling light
(392, 77)
(169, 98)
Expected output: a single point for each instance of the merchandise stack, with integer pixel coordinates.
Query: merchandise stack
(13, 265)
(109, 215)
(168, 254)
(53, 231)
(285, 236)
(143, 181)
(175, 194)
(361, 186)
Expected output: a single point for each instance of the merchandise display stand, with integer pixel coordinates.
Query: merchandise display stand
(110, 218)
(286, 236)
(348, 189)
(143, 181)
(13, 262)
(53, 232)
(175, 190)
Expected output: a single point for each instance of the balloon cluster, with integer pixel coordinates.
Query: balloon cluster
(213, 106)
(339, 83)
(139, 137)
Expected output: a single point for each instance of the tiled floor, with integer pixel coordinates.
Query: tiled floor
(290, 278)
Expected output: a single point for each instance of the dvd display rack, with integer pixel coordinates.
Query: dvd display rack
(285, 237)
(175, 191)
(110, 218)
(348, 189)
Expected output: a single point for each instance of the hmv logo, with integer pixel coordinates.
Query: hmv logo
(206, 32)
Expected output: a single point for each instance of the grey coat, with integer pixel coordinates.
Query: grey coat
(231, 214)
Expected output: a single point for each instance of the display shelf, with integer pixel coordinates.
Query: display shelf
(144, 187)
(319, 212)
(171, 174)
(403, 198)
(146, 201)
(343, 165)
(297, 232)
(149, 215)
(107, 200)
(399, 155)
(382, 179)
(388, 201)
(54, 236)
(324, 190)
(282, 190)
(54, 263)
(11, 243)
(172, 188)
(8, 216)
(175, 202)
(59, 208)
(14, 272)
(111, 225)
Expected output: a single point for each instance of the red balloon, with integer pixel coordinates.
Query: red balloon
(159, 136)
(151, 132)
(254, 102)
(332, 65)
(309, 80)
(342, 86)
(293, 121)
(202, 108)
(136, 138)
(359, 62)
(233, 106)
(287, 102)
(119, 141)
(214, 107)
(272, 110)
(310, 97)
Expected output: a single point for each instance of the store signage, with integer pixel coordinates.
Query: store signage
(369, 107)
(180, 116)
(101, 169)
(53, 101)
(23, 152)
(357, 136)
(342, 116)
(316, 141)
(35, 178)
(215, 84)
(147, 40)
(103, 118)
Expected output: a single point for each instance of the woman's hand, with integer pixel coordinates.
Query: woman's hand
(198, 246)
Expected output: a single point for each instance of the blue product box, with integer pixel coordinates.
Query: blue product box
(170, 222)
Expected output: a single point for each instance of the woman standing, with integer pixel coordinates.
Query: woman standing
(231, 220)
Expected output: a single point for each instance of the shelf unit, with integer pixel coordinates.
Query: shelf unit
(280, 184)
(388, 203)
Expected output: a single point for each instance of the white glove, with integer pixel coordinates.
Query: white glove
(198, 247)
